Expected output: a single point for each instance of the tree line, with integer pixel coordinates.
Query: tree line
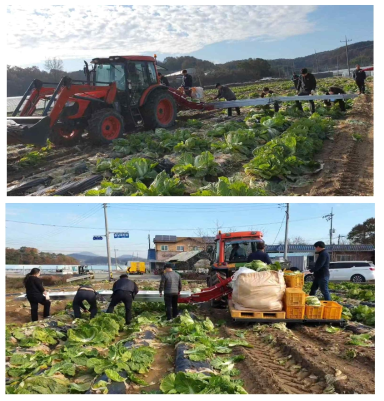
(32, 256)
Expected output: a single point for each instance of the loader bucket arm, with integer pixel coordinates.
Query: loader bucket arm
(20, 130)
(209, 294)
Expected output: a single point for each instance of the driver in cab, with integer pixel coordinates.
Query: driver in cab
(237, 252)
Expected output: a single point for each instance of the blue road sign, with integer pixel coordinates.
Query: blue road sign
(97, 237)
(121, 235)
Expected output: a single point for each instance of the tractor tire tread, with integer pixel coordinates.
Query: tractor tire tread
(148, 111)
(94, 125)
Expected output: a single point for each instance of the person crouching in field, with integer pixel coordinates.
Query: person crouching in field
(85, 293)
(227, 94)
(335, 90)
(36, 294)
(266, 91)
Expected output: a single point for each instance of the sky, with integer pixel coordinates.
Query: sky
(214, 33)
(141, 220)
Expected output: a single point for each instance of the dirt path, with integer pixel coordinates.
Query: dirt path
(304, 360)
(348, 169)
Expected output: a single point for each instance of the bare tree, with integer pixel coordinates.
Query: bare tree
(54, 67)
(298, 241)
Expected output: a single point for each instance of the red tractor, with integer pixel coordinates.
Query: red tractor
(231, 251)
(119, 92)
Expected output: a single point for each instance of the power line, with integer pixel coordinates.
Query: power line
(158, 229)
(281, 225)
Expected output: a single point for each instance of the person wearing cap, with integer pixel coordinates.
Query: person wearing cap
(124, 290)
(305, 87)
(227, 94)
(163, 79)
(321, 271)
(267, 91)
(170, 284)
(360, 76)
(335, 90)
(260, 254)
(84, 293)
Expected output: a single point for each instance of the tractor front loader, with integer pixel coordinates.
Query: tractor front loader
(119, 92)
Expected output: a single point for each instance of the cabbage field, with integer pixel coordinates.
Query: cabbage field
(200, 352)
(258, 153)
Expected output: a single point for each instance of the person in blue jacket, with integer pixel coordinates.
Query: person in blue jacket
(321, 271)
(260, 254)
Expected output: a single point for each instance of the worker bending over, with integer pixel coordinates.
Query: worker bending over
(85, 293)
(305, 87)
(260, 254)
(335, 90)
(295, 79)
(36, 294)
(321, 271)
(170, 283)
(227, 94)
(267, 91)
(124, 290)
(186, 82)
(360, 76)
(163, 79)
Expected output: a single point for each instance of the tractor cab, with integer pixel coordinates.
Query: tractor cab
(133, 76)
(232, 250)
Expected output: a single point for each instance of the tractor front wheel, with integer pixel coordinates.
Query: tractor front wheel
(61, 136)
(159, 111)
(105, 125)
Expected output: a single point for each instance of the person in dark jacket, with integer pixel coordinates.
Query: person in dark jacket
(171, 285)
(260, 254)
(267, 91)
(295, 79)
(163, 79)
(237, 252)
(360, 76)
(85, 293)
(227, 94)
(36, 294)
(335, 90)
(306, 86)
(321, 271)
(124, 290)
(186, 82)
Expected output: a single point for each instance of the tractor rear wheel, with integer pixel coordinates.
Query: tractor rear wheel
(61, 136)
(159, 111)
(105, 125)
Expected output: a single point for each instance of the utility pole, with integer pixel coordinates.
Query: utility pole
(116, 260)
(337, 65)
(149, 241)
(340, 236)
(286, 232)
(329, 217)
(107, 237)
(346, 51)
(317, 63)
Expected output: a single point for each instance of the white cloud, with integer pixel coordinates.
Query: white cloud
(68, 32)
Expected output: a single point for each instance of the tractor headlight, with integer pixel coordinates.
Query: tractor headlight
(69, 104)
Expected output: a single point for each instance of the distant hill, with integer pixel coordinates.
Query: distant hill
(88, 258)
(208, 73)
(32, 256)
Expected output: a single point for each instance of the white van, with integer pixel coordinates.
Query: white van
(357, 272)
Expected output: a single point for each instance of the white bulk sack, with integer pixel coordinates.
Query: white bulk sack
(259, 291)
(197, 93)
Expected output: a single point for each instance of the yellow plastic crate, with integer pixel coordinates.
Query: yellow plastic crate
(332, 310)
(296, 281)
(294, 297)
(294, 312)
(314, 312)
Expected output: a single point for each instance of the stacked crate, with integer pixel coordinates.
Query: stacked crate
(294, 297)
